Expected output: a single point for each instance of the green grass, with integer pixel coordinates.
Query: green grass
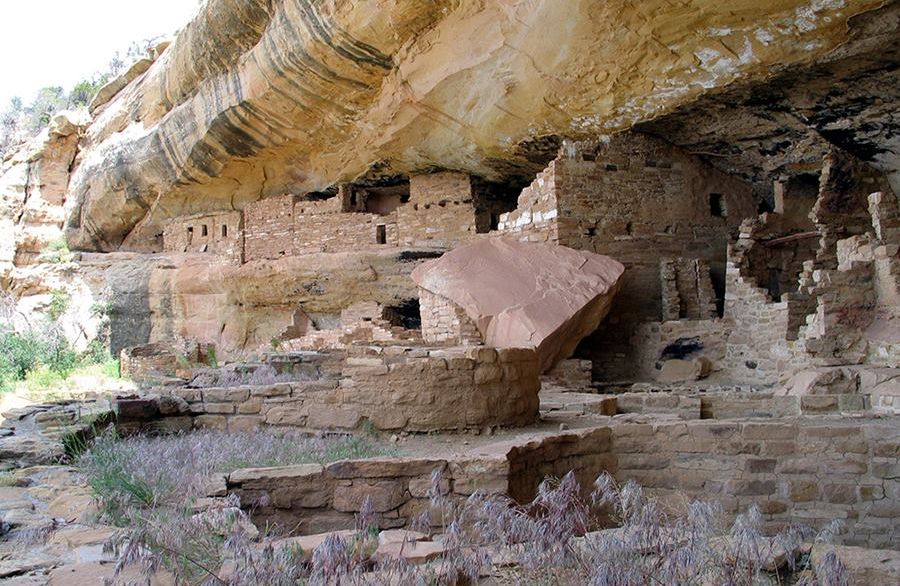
(44, 384)
(7, 478)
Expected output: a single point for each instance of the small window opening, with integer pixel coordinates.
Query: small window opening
(717, 206)
(204, 230)
(589, 157)
(612, 167)
(629, 228)
(224, 231)
(592, 232)
(381, 234)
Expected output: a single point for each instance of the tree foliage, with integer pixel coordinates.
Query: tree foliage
(19, 122)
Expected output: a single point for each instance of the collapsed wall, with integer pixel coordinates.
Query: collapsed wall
(648, 204)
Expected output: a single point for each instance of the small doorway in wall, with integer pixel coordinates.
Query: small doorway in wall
(381, 234)
(204, 230)
(190, 235)
(224, 231)
(717, 207)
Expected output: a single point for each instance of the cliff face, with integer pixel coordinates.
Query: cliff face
(261, 97)
(33, 184)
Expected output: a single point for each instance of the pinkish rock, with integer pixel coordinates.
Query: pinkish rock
(307, 544)
(400, 536)
(413, 552)
(525, 294)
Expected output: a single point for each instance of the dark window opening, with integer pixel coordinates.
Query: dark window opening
(385, 200)
(717, 207)
(774, 284)
(381, 234)
(405, 315)
(717, 276)
(629, 229)
(612, 167)
(224, 231)
(589, 157)
(204, 230)
(591, 232)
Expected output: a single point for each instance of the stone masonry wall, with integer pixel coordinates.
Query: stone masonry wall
(440, 212)
(804, 471)
(322, 227)
(393, 388)
(537, 210)
(327, 498)
(445, 322)
(148, 361)
(687, 290)
(639, 200)
(220, 234)
(269, 228)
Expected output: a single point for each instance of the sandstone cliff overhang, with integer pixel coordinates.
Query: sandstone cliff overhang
(521, 294)
(265, 97)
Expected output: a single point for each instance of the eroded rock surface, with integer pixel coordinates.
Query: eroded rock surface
(258, 98)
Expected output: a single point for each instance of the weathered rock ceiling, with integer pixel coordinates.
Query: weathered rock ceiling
(784, 125)
(259, 97)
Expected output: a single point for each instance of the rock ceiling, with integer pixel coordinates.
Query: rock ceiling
(261, 97)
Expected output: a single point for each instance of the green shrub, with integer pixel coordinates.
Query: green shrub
(20, 353)
(97, 352)
(27, 352)
(59, 304)
(60, 357)
(211, 358)
(57, 251)
(102, 309)
(112, 368)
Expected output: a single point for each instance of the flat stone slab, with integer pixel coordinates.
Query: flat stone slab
(526, 294)
(308, 543)
(416, 552)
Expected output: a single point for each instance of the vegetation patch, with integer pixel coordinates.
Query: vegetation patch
(133, 476)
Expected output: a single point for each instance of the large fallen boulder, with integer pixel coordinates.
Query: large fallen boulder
(518, 295)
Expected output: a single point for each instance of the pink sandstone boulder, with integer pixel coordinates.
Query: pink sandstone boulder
(526, 294)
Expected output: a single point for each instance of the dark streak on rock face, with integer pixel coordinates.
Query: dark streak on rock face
(784, 126)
